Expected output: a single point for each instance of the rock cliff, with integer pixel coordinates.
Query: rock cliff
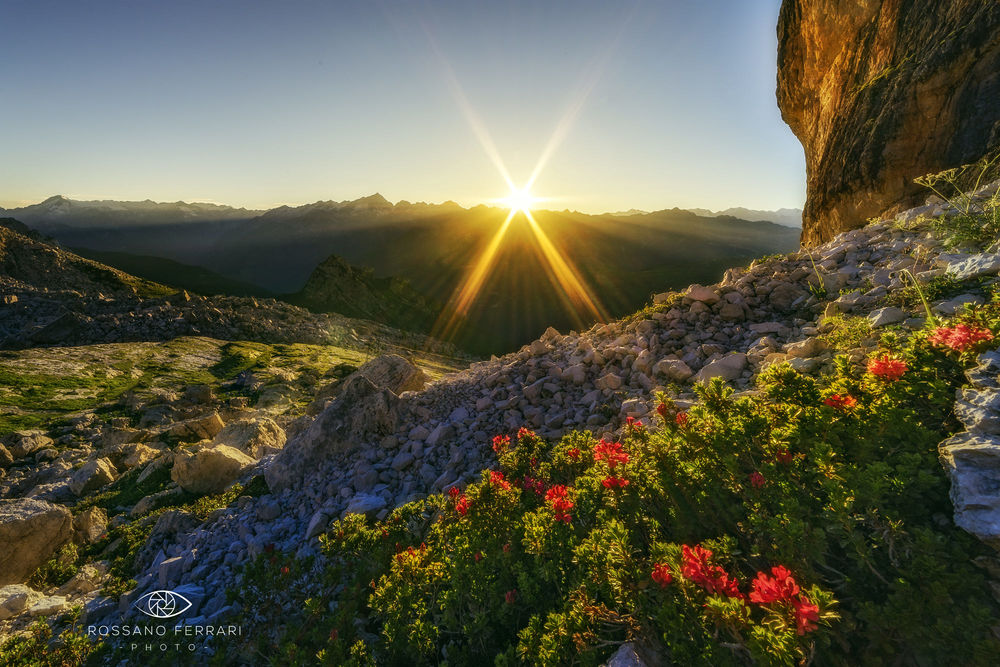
(882, 91)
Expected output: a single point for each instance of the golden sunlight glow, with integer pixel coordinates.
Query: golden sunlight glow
(520, 201)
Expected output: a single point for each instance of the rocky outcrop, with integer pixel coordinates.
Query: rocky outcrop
(30, 531)
(882, 91)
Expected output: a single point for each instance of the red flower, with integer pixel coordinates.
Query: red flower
(757, 479)
(662, 575)
(506, 547)
(887, 367)
(574, 453)
(783, 455)
(611, 452)
(334, 635)
(681, 419)
(661, 410)
(510, 596)
(536, 485)
(454, 492)
(806, 615)
(561, 504)
(779, 588)
(496, 479)
(524, 433)
(501, 443)
(960, 337)
(462, 506)
(843, 403)
(478, 556)
(613, 482)
(712, 578)
(285, 570)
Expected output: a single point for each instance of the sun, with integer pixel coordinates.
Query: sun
(520, 201)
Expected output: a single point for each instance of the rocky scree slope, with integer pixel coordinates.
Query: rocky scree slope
(387, 438)
(880, 92)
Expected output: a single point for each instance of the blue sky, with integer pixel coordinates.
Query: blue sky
(658, 103)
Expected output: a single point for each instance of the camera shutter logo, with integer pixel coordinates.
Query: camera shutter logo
(162, 604)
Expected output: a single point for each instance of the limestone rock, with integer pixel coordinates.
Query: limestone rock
(886, 316)
(14, 599)
(93, 475)
(201, 428)
(366, 504)
(729, 367)
(23, 443)
(673, 369)
(705, 295)
(394, 373)
(972, 462)
(209, 469)
(362, 411)
(255, 437)
(89, 525)
(866, 134)
(974, 266)
(30, 532)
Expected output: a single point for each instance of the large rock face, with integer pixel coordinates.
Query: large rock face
(30, 531)
(882, 91)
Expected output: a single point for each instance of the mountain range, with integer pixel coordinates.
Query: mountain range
(210, 248)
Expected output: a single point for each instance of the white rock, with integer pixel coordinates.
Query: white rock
(973, 266)
(208, 469)
(729, 367)
(885, 316)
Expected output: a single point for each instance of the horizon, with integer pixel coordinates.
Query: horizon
(492, 205)
(255, 106)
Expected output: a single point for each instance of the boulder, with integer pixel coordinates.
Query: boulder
(367, 504)
(89, 525)
(6, 458)
(200, 428)
(361, 412)
(886, 316)
(706, 295)
(14, 599)
(973, 266)
(93, 475)
(609, 381)
(810, 347)
(394, 373)
(729, 367)
(30, 532)
(785, 295)
(673, 369)
(208, 470)
(22, 443)
(256, 437)
(972, 463)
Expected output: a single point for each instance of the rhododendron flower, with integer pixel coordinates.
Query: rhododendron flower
(501, 443)
(757, 479)
(506, 547)
(613, 482)
(887, 367)
(778, 588)
(681, 419)
(454, 492)
(806, 615)
(478, 556)
(334, 635)
(284, 569)
(839, 402)
(462, 506)
(525, 433)
(573, 453)
(661, 410)
(610, 452)
(536, 485)
(960, 337)
(561, 504)
(662, 575)
(712, 578)
(496, 479)
(510, 596)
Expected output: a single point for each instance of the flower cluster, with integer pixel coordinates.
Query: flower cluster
(887, 367)
(612, 482)
(561, 504)
(757, 479)
(610, 452)
(525, 433)
(783, 455)
(573, 453)
(532, 484)
(662, 574)
(501, 443)
(461, 501)
(712, 578)
(960, 337)
(496, 479)
(681, 419)
(842, 403)
(781, 587)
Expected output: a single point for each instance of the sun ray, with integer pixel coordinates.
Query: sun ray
(566, 274)
(458, 305)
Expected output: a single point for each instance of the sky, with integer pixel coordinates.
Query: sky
(634, 104)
